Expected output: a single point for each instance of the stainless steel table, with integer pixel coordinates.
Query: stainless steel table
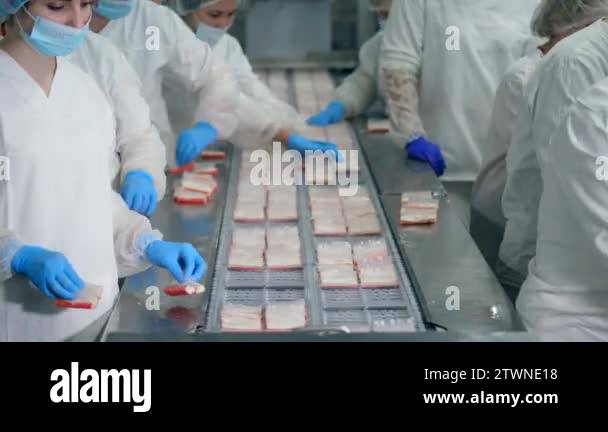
(443, 258)
(136, 312)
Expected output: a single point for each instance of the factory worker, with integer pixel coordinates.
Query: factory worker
(553, 21)
(565, 296)
(440, 66)
(138, 166)
(359, 90)
(58, 133)
(162, 49)
(572, 67)
(210, 20)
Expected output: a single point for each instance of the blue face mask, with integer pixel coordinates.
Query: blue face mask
(382, 23)
(114, 9)
(53, 39)
(209, 34)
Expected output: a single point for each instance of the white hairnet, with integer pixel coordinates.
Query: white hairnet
(563, 17)
(184, 7)
(380, 5)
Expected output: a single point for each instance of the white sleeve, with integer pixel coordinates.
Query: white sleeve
(507, 106)
(400, 64)
(9, 245)
(282, 114)
(256, 128)
(574, 154)
(521, 197)
(359, 90)
(132, 233)
(191, 63)
(138, 142)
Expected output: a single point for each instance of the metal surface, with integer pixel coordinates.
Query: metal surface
(252, 288)
(357, 309)
(393, 173)
(323, 337)
(136, 310)
(443, 257)
(282, 29)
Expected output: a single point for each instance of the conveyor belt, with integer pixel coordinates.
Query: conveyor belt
(379, 309)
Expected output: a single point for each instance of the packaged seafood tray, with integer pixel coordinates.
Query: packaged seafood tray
(261, 278)
(360, 281)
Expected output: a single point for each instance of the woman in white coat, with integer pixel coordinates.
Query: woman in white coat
(273, 119)
(441, 64)
(360, 89)
(572, 67)
(565, 296)
(57, 130)
(553, 21)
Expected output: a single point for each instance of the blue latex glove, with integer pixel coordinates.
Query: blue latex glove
(192, 142)
(180, 259)
(333, 113)
(50, 271)
(139, 192)
(301, 144)
(423, 150)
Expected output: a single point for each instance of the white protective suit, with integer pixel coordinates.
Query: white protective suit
(487, 219)
(571, 67)
(441, 64)
(138, 144)
(159, 46)
(60, 147)
(361, 89)
(565, 296)
(261, 114)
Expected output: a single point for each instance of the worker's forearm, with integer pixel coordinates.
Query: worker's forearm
(357, 93)
(401, 89)
(146, 153)
(132, 233)
(9, 245)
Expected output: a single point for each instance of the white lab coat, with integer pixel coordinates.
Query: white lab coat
(571, 67)
(59, 195)
(451, 56)
(138, 144)
(487, 219)
(565, 296)
(360, 89)
(228, 51)
(159, 46)
(260, 113)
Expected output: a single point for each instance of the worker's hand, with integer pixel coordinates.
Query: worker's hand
(423, 150)
(333, 113)
(180, 259)
(50, 271)
(191, 142)
(301, 144)
(139, 192)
